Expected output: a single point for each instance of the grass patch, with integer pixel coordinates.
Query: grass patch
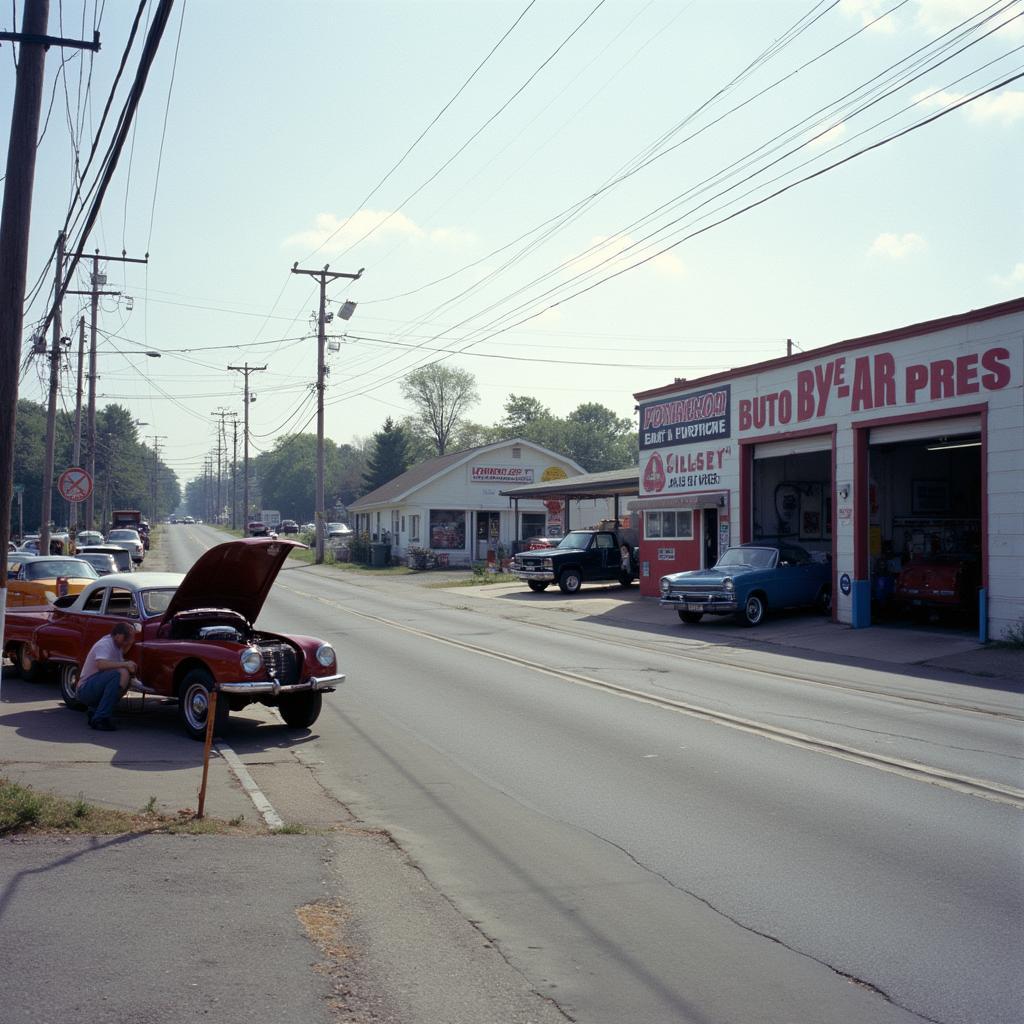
(27, 811)
(308, 556)
(475, 580)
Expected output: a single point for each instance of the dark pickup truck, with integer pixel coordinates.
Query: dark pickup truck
(582, 556)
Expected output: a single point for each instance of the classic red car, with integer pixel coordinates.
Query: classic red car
(194, 632)
(938, 581)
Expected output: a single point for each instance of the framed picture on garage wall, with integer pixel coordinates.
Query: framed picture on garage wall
(929, 497)
(810, 511)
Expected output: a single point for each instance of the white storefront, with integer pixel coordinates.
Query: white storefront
(452, 507)
(872, 452)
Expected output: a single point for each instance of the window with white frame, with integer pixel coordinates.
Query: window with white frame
(395, 518)
(414, 528)
(669, 524)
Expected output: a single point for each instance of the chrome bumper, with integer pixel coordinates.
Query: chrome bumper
(543, 575)
(253, 687)
(693, 603)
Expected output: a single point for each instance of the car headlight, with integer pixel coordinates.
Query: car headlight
(665, 585)
(728, 583)
(252, 660)
(546, 563)
(325, 655)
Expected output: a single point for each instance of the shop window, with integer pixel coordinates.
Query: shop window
(447, 529)
(414, 528)
(668, 525)
(534, 524)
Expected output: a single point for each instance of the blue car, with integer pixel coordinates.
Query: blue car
(747, 581)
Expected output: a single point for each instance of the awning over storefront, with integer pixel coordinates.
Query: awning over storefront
(712, 499)
(614, 483)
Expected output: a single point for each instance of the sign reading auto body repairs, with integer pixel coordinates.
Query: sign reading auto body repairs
(501, 474)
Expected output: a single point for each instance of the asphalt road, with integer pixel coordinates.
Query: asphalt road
(652, 835)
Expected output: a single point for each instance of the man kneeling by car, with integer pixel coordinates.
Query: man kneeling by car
(106, 676)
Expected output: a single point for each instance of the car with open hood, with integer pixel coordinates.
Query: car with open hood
(194, 633)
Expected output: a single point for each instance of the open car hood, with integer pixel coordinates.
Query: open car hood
(237, 575)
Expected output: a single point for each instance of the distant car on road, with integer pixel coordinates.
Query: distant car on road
(87, 537)
(257, 529)
(130, 541)
(748, 580)
(188, 521)
(288, 526)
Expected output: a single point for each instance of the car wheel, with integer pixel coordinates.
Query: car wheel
(690, 618)
(625, 580)
(194, 702)
(753, 610)
(537, 586)
(824, 601)
(301, 710)
(570, 581)
(28, 667)
(69, 687)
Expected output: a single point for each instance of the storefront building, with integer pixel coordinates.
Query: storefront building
(452, 505)
(900, 447)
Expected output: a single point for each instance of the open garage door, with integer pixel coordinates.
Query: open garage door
(925, 522)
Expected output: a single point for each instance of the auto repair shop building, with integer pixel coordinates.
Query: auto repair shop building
(903, 445)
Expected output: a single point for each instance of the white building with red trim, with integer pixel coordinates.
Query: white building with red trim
(870, 453)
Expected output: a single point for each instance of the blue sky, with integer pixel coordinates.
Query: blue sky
(282, 119)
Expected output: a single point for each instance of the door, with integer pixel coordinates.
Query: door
(488, 527)
(709, 518)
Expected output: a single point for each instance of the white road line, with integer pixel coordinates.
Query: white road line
(261, 803)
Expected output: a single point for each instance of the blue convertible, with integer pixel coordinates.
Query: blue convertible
(747, 581)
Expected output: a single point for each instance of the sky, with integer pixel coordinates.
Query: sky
(572, 199)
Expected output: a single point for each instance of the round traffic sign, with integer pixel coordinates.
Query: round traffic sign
(75, 484)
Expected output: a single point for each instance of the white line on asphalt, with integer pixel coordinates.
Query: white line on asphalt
(261, 803)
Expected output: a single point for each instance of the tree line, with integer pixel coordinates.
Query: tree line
(125, 468)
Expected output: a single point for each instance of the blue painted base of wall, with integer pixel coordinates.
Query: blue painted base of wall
(861, 598)
(983, 616)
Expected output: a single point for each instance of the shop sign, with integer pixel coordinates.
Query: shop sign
(694, 468)
(844, 584)
(666, 554)
(501, 474)
(865, 383)
(702, 416)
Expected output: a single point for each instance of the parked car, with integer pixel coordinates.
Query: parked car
(339, 531)
(41, 579)
(87, 537)
(938, 582)
(257, 529)
(130, 541)
(747, 581)
(288, 526)
(539, 543)
(194, 633)
(104, 564)
(581, 556)
(188, 521)
(122, 558)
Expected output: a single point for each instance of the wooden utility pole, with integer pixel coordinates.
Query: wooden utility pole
(156, 439)
(234, 471)
(51, 406)
(322, 276)
(76, 448)
(246, 370)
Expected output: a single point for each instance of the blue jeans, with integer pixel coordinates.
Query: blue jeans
(101, 692)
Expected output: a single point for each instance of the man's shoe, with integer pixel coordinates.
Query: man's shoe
(103, 725)
(89, 715)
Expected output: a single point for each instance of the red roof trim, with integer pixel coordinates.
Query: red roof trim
(898, 334)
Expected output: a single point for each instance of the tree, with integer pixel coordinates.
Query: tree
(388, 458)
(598, 439)
(441, 395)
(521, 413)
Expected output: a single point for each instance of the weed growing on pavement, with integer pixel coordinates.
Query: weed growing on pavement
(150, 807)
(1013, 636)
(291, 830)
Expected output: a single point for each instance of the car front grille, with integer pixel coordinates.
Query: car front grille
(690, 590)
(281, 662)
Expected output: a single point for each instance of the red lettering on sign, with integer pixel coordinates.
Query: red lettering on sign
(823, 380)
(785, 406)
(994, 360)
(885, 380)
(804, 395)
(917, 378)
(942, 379)
(861, 385)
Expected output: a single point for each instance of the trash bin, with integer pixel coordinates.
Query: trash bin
(380, 555)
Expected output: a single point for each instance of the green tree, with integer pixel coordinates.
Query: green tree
(441, 396)
(388, 457)
(522, 412)
(598, 439)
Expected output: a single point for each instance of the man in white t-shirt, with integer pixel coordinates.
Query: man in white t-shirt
(106, 675)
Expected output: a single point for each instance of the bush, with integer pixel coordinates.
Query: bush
(421, 558)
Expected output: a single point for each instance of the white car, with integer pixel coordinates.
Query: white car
(88, 537)
(130, 541)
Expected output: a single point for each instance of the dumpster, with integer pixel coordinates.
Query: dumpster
(380, 555)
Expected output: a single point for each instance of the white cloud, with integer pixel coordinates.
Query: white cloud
(338, 233)
(1003, 107)
(865, 11)
(938, 16)
(603, 247)
(897, 247)
(828, 138)
(1014, 280)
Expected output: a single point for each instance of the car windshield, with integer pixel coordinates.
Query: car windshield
(52, 568)
(103, 563)
(155, 602)
(122, 535)
(575, 541)
(758, 558)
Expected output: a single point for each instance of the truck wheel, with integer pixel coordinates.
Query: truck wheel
(690, 618)
(824, 601)
(194, 702)
(537, 586)
(570, 581)
(301, 710)
(752, 612)
(69, 687)
(625, 580)
(28, 668)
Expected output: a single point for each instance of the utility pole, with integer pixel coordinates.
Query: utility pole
(322, 276)
(51, 407)
(246, 370)
(156, 439)
(76, 450)
(96, 280)
(234, 471)
(221, 447)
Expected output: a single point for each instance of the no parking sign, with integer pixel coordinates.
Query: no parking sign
(75, 484)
